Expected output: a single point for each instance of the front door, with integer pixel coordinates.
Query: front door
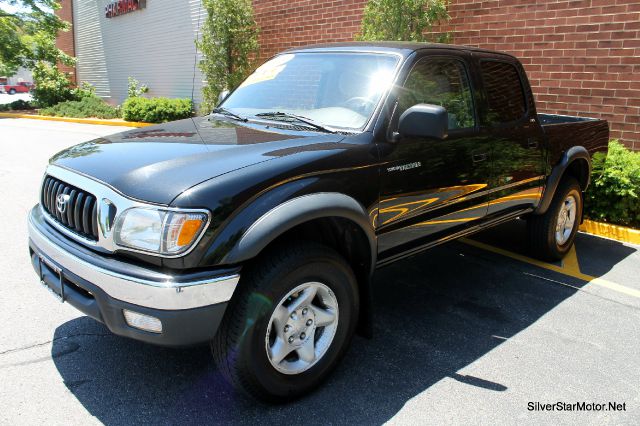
(433, 188)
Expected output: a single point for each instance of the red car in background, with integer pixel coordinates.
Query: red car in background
(21, 87)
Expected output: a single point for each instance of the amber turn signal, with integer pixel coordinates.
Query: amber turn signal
(189, 231)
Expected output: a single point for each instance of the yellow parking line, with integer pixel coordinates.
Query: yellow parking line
(615, 287)
(569, 267)
(76, 120)
(570, 261)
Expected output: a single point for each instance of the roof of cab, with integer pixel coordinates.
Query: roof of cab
(404, 48)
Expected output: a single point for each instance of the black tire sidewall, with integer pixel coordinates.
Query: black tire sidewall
(323, 268)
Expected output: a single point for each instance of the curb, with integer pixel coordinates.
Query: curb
(77, 120)
(615, 232)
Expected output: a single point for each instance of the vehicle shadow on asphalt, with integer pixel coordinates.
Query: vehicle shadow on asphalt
(435, 314)
(596, 256)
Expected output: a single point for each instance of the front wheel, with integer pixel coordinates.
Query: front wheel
(12, 91)
(552, 234)
(289, 323)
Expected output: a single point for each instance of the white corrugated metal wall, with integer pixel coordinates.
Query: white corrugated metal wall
(23, 74)
(154, 45)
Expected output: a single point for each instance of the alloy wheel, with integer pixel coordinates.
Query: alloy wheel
(302, 328)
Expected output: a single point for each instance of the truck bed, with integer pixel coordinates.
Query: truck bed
(565, 131)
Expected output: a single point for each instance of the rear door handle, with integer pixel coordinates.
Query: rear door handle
(532, 143)
(479, 157)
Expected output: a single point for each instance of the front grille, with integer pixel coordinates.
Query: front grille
(80, 214)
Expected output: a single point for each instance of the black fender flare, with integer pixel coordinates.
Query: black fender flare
(304, 208)
(572, 154)
(296, 211)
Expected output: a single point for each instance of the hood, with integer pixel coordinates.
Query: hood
(158, 163)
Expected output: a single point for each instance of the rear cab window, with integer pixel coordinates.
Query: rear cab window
(504, 91)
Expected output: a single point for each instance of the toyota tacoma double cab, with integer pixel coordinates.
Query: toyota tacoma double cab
(258, 227)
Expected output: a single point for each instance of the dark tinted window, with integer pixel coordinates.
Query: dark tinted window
(504, 92)
(440, 81)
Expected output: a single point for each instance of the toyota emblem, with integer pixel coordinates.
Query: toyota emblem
(61, 202)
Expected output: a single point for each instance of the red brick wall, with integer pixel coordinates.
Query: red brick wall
(65, 40)
(290, 23)
(583, 57)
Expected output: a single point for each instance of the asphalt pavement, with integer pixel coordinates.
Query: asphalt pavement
(471, 332)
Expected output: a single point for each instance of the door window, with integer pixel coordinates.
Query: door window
(443, 82)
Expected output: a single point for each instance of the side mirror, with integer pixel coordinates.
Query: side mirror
(222, 96)
(424, 121)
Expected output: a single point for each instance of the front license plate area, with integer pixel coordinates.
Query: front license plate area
(55, 275)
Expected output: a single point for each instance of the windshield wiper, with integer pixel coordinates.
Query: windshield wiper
(277, 115)
(229, 113)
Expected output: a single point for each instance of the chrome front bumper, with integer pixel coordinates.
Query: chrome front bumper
(131, 283)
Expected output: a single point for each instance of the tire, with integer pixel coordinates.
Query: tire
(245, 347)
(544, 240)
(12, 91)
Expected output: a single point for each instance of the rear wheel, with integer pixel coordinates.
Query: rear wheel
(289, 323)
(552, 234)
(12, 91)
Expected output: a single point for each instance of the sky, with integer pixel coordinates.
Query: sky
(13, 8)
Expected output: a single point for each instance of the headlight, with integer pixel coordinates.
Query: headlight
(166, 232)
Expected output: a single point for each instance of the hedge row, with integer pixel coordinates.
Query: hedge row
(156, 110)
(18, 105)
(614, 194)
(86, 107)
(153, 110)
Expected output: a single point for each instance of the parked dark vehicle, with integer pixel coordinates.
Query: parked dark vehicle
(258, 228)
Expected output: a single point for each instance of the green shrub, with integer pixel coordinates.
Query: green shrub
(51, 85)
(18, 105)
(86, 90)
(90, 106)
(135, 89)
(156, 110)
(614, 194)
(229, 46)
(403, 20)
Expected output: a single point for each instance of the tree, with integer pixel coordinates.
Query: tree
(402, 20)
(28, 30)
(229, 43)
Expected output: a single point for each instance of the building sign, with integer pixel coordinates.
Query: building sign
(121, 7)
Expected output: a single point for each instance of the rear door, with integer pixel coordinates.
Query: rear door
(508, 119)
(433, 188)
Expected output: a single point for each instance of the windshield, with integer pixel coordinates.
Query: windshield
(332, 89)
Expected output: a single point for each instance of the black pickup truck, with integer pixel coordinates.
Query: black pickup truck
(258, 228)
